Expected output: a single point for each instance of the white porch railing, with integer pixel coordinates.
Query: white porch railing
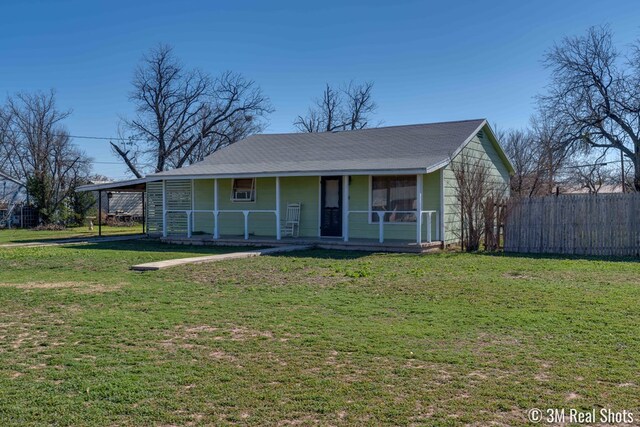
(246, 212)
(216, 232)
(381, 223)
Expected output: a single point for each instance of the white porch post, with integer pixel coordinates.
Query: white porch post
(216, 231)
(246, 224)
(278, 229)
(192, 214)
(345, 208)
(419, 209)
(429, 226)
(441, 229)
(164, 208)
(380, 226)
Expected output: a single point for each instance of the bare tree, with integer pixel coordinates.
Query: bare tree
(4, 142)
(526, 156)
(590, 174)
(39, 151)
(184, 115)
(595, 94)
(347, 108)
(538, 154)
(479, 198)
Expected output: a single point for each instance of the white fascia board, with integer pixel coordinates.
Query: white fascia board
(466, 142)
(493, 139)
(115, 184)
(292, 174)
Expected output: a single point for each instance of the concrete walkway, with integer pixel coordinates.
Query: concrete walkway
(150, 266)
(74, 241)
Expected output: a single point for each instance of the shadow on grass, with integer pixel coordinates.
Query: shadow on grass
(67, 238)
(321, 254)
(608, 258)
(153, 245)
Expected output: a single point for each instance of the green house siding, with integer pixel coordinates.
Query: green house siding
(260, 223)
(302, 190)
(203, 200)
(305, 190)
(480, 147)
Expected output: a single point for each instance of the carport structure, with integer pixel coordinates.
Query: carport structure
(130, 186)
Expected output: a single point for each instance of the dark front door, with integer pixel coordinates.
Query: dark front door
(331, 206)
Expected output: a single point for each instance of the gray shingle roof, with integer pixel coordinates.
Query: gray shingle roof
(410, 148)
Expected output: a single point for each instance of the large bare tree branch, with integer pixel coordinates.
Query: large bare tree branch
(182, 115)
(595, 94)
(39, 151)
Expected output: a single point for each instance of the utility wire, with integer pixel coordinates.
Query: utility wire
(98, 138)
(101, 138)
(108, 163)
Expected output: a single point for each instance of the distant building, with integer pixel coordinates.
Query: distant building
(14, 209)
(604, 189)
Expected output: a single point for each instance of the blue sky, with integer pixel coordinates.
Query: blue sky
(430, 60)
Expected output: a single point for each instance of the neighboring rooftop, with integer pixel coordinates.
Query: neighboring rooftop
(130, 185)
(411, 148)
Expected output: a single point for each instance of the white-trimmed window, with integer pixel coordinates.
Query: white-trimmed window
(243, 190)
(396, 195)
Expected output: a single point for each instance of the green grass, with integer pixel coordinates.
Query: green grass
(314, 337)
(16, 235)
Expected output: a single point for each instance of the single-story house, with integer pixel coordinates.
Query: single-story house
(387, 184)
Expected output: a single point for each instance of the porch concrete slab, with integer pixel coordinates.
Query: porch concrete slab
(151, 266)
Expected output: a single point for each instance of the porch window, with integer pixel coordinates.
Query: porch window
(396, 195)
(244, 190)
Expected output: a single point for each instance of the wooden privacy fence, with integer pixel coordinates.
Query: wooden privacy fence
(581, 224)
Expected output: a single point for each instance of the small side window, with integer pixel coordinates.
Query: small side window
(244, 190)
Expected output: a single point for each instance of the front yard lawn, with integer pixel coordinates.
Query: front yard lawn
(20, 235)
(311, 338)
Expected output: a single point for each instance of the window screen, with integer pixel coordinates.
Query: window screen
(396, 196)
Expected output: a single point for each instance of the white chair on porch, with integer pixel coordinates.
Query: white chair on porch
(291, 225)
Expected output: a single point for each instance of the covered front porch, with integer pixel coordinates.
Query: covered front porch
(386, 211)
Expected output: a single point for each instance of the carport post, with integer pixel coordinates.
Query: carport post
(99, 213)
